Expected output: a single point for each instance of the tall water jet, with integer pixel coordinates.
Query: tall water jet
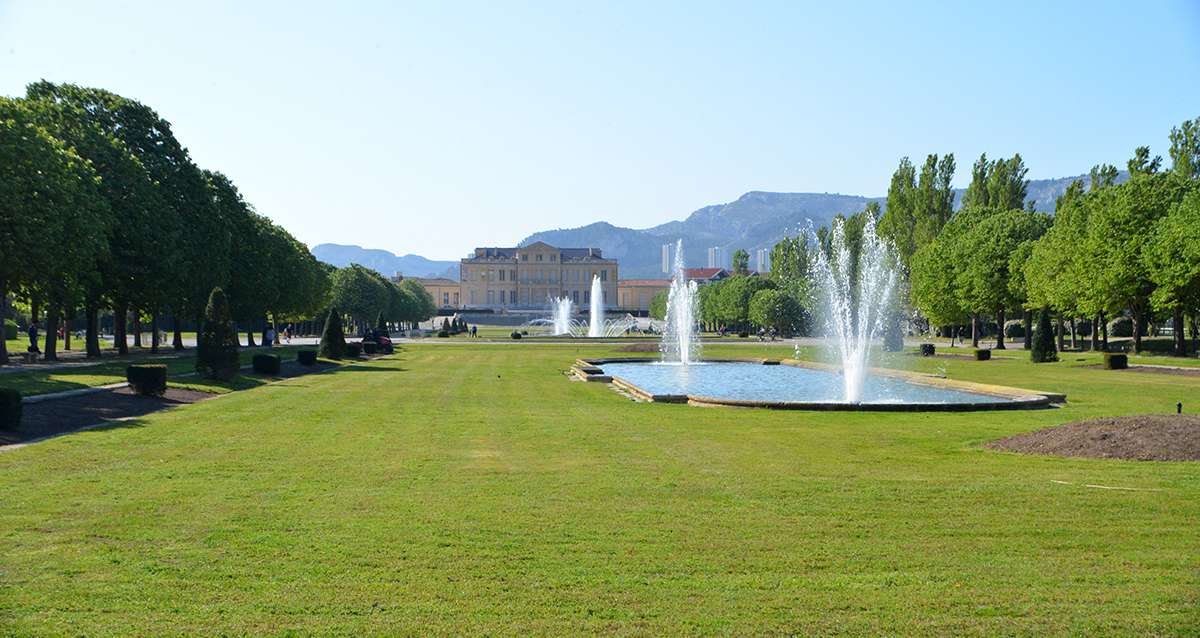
(857, 282)
(596, 318)
(561, 316)
(681, 340)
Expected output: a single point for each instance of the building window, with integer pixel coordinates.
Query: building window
(587, 296)
(575, 295)
(491, 297)
(472, 297)
(524, 257)
(502, 275)
(512, 275)
(553, 257)
(445, 299)
(603, 275)
(539, 257)
(512, 296)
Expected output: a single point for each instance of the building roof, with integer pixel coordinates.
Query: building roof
(644, 282)
(705, 273)
(568, 254)
(435, 281)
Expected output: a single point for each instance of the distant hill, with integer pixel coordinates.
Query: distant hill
(384, 262)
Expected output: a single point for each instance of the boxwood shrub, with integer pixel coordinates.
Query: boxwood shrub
(443, 334)
(1120, 327)
(10, 409)
(927, 349)
(10, 330)
(353, 350)
(1116, 361)
(744, 334)
(983, 354)
(307, 357)
(149, 379)
(370, 347)
(266, 363)
(515, 334)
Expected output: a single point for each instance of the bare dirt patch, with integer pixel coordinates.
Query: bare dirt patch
(47, 418)
(1144, 437)
(1181, 372)
(639, 347)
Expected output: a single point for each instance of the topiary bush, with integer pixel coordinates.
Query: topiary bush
(266, 363)
(333, 340)
(370, 347)
(927, 349)
(217, 341)
(515, 334)
(10, 330)
(147, 379)
(1116, 361)
(1120, 327)
(1014, 329)
(307, 357)
(10, 409)
(353, 350)
(1043, 340)
(744, 334)
(983, 354)
(443, 334)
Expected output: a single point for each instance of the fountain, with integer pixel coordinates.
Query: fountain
(680, 342)
(858, 290)
(561, 316)
(596, 320)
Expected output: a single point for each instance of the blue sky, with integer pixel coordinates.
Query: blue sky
(435, 127)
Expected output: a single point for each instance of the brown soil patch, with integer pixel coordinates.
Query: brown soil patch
(956, 355)
(1182, 372)
(47, 418)
(1145, 437)
(639, 347)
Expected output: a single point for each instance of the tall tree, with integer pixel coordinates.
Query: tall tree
(1141, 164)
(1102, 176)
(741, 262)
(1172, 259)
(1185, 149)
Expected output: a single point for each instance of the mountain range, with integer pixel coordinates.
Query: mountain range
(755, 220)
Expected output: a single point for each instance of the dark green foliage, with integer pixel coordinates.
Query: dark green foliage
(266, 364)
(10, 329)
(1014, 329)
(370, 347)
(149, 379)
(381, 324)
(927, 349)
(10, 409)
(307, 357)
(1116, 361)
(1043, 340)
(1120, 327)
(353, 350)
(217, 342)
(743, 334)
(333, 340)
(446, 325)
(443, 334)
(515, 334)
(983, 354)
(893, 336)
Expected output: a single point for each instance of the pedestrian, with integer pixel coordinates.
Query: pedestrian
(269, 338)
(33, 336)
(474, 331)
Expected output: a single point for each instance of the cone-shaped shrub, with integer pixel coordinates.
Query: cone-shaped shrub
(217, 343)
(333, 340)
(381, 325)
(1043, 340)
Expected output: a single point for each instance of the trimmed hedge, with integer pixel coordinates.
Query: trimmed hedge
(370, 347)
(11, 330)
(353, 350)
(443, 334)
(307, 357)
(266, 363)
(983, 354)
(744, 335)
(1014, 329)
(10, 409)
(515, 334)
(148, 379)
(1120, 327)
(927, 349)
(1115, 361)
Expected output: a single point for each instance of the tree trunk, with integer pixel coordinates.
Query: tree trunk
(1179, 337)
(1027, 318)
(250, 335)
(1061, 336)
(1103, 332)
(92, 332)
(3, 316)
(66, 333)
(137, 328)
(1138, 328)
(1073, 345)
(154, 332)
(1096, 333)
(120, 339)
(177, 341)
(974, 331)
(1000, 332)
(51, 353)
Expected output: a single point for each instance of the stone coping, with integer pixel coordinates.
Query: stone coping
(1009, 398)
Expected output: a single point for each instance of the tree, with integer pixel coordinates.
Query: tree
(733, 299)
(359, 292)
(1185, 149)
(1102, 176)
(774, 308)
(658, 305)
(1141, 164)
(1043, 340)
(333, 340)
(918, 209)
(999, 184)
(741, 262)
(1172, 260)
(422, 305)
(217, 341)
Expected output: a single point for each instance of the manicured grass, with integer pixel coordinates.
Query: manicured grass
(473, 489)
(36, 381)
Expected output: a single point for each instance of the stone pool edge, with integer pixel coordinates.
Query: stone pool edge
(1015, 398)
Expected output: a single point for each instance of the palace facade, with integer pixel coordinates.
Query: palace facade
(529, 276)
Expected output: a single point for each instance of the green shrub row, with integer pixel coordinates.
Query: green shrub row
(148, 379)
(10, 409)
(266, 363)
(307, 357)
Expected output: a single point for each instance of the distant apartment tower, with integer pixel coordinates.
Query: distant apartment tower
(762, 260)
(716, 257)
(666, 258)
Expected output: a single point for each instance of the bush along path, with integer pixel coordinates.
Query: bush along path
(118, 404)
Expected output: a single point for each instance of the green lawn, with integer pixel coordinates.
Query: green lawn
(473, 489)
(33, 382)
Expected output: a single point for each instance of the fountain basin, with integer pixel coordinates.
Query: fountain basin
(803, 385)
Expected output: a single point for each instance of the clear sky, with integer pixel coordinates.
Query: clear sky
(435, 127)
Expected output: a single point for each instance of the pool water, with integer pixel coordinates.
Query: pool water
(757, 382)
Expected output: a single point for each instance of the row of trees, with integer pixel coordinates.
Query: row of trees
(365, 298)
(102, 207)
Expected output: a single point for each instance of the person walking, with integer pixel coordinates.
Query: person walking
(33, 336)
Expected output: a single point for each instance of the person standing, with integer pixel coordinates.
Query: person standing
(33, 336)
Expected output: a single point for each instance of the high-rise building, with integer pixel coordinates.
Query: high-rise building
(716, 257)
(763, 260)
(666, 258)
